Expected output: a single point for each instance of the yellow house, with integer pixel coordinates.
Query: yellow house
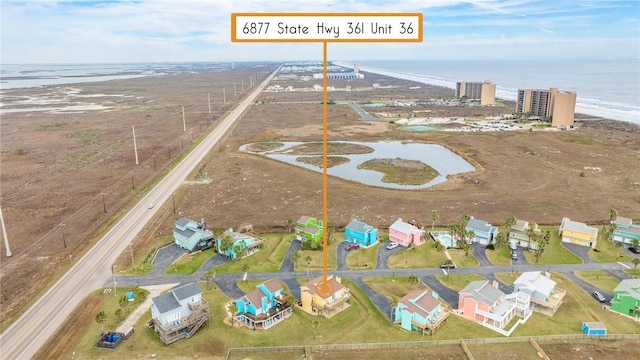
(574, 232)
(316, 302)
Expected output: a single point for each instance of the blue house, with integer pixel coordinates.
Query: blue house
(625, 231)
(264, 307)
(360, 233)
(235, 245)
(594, 328)
(420, 310)
(485, 233)
(192, 235)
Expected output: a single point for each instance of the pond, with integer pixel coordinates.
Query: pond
(418, 128)
(443, 160)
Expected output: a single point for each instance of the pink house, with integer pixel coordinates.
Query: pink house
(483, 302)
(405, 234)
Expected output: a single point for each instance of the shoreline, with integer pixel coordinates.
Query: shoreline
(582, 109)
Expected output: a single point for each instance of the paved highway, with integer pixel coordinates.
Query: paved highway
(30, 332)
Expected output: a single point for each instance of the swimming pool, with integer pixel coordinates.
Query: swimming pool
(444, 237)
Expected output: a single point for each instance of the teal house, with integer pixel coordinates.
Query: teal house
(420, 311)
(360, 233)
(235, 245)
(625, 230)
(626, 298)
(264, 307)
(309, 229)
(192, 235)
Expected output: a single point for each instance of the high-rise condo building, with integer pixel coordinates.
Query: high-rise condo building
(558, 105)
(483, 91)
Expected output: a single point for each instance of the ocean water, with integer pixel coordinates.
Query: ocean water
(607, 88)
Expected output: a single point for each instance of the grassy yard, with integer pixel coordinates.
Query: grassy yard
(634, 273)
(421, 256)
(578, 306)
(268, 259)
(363, 259)
(608, 251)
(189, 263)
(500, 256)
(389, 287)
(599, 278)
(554, 253)
(143, 264)
(317, 257)
(458, 281)
(463, 261)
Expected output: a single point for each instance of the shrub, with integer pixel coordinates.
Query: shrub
(490, 247)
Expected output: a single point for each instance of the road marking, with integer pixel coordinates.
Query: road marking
(444, 271)
(625, 265)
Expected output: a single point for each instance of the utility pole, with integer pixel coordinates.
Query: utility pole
(209, 97)
(173, 200)
(154, 163)
(234, 90)
(242, 84)
(104, 205)
(135, 147)
(224, 96)
(184, 123)
(113, 272)
(133, 184)
(4, 235)
(132, 262)
(64, 241)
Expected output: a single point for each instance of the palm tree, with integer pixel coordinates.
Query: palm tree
(464, 220)
(635, 243)
(233, 309)
(439, 248)
(295, 257)
(119, 314)
(636, 262)
(507, 223)
(245, 269)
(413, 280)
(101, 318)
(434, 216)
(238, 250)
(613, 213)
(308, 260)
(316, 325)
(394, 302)
(124, 304)
(289, 225)
(465, 245)
(618, 245)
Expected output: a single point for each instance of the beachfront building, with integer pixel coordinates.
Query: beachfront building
(483, 91)
(235, 245)
(554, 104)
(264, 307)
(519, 235)
(625, 230)
(309, 229)
(545, 296)
(179, 313)
(485, 233)
(574, 232)
(316, 301)
(406, 234)
(420, 310)
(626, 298)
(360, 233)
(192, 235)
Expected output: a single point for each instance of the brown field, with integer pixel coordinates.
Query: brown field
(55, 166)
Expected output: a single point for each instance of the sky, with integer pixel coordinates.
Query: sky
(111, 31)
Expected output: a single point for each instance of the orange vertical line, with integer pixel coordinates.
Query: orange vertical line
(324, 161)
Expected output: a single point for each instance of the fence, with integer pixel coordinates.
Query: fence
(417, 344)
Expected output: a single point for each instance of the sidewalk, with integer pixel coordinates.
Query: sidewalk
(133, 318)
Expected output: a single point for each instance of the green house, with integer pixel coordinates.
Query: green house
(626, 298)
(309, 229)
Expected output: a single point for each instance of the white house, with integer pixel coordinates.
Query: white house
(179, 313)
(542, 290)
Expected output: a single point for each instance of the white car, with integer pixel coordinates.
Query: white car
(392, 246)
(150, 206)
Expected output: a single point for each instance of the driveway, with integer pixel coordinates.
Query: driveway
(586, 286)
(478, 251)
(165, 257)
(444, 293)
(363, 114)
(292, 284)
(626, 251)
(521, 258)
(381, 302)
(581, 251)
(507, 289)
(384, 254)
(342, 255)
(229, 286)
(619, 274)
(212, 262)
(287, 264)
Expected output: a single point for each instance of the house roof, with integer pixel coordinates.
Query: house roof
(402, 226)
(187, 233)
(273, 285)
(359, 226)
(166, 302)
(420, 302)
(186, 291)
(304, 219)
(479, 225)
(482, 291)
(576, 226)
(622, 221)
(182, 222)
(535, 281)
(521, 225)
(255, 297)
(595, 325)
(631, 286)
(311, 285)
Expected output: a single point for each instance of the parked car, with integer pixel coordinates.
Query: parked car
(634, 249)
(598, 296)
(392, 246)
(514, 255)
(352, 247)
(447, 266)
(150, 206)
